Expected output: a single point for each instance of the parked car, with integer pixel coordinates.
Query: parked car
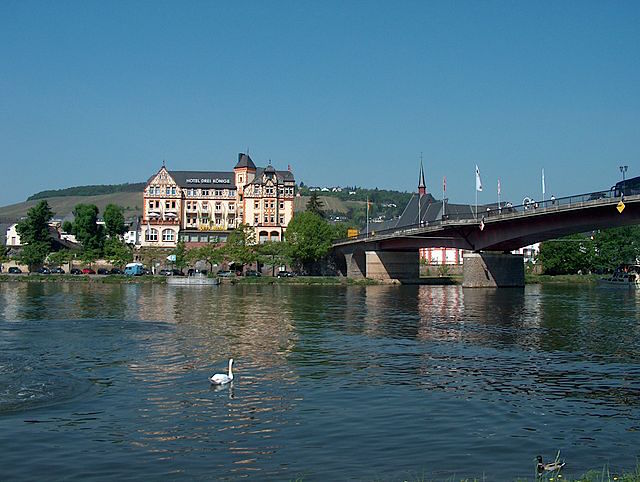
(177, 272)
(103, 271)
(88, 271)
(75, 271)
(116, 271)
(57, 270)
(14, 270)
(43, 270)
(165, 272)
(285, 274)
(223, 273)
(253, 272)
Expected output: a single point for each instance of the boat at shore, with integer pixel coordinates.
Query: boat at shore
(626, 276)
(197, 279)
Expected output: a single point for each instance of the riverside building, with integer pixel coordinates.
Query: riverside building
(200, 207)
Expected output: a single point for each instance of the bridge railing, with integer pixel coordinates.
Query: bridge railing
(505, 209)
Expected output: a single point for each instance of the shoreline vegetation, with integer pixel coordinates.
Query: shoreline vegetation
(298, 280)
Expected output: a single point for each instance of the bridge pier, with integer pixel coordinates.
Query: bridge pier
(490, 270)
(356, 264)
(393, 265)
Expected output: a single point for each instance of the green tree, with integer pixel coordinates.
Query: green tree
(272, 253)
(85, 228)
(150, 255)
(241, 246)
(181, 255)
(89, 256)
(315, 205)
(114, 220)
(67, 227)
(616, 246)
(117, 252)
(58, 258)
(567, 255)
(209, 253)
(34, 234)
(308, 239)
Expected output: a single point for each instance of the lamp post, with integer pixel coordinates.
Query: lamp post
(623, 170)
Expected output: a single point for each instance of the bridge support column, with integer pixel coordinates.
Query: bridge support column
(393, 265)
(356, 264)
(490, 270)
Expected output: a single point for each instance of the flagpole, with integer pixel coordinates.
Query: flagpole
(444, 181)
(499, 207)
(367, 216)
(543, 187)
(476, 203)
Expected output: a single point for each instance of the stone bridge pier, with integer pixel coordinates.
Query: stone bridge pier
(481, 270)
(400, 266)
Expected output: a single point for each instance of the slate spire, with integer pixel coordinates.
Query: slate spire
(422, 188)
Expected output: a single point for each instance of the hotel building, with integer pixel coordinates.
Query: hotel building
(200, 207)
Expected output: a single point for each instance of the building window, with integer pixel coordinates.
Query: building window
(173, 189)
(173, 204)
(167, 235)
(232, 207)
(218, 206)
(271, 219)
(256, 219)
(150, 204)
(281, 204)
(167, 204)
(168, 190)
(217, 193)
(151, 234)
(205, 192)
(205, 206)
(205, 220)
(256, 205)
(240, 179)
(281, 219)
(266, 218)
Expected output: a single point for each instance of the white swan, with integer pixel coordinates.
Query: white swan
(221, 378)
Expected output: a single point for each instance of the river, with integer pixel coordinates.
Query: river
(331, 382)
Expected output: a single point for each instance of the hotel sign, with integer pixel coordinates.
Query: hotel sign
(208, 180)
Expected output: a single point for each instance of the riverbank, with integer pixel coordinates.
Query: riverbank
(297, 280)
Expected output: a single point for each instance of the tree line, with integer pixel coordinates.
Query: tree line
(306, 245)
(599, 252)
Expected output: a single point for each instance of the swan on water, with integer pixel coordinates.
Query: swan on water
(221, 378)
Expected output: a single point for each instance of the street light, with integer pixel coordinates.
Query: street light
(623, 170)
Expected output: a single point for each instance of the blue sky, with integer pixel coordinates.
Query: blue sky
(347, 93)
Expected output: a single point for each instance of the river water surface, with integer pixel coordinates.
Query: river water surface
(332, 383)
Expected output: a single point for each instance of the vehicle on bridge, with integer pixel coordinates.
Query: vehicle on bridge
(628, 187)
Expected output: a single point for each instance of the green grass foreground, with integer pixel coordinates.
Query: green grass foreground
(561, 278)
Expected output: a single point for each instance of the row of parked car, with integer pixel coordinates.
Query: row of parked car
(58, 270)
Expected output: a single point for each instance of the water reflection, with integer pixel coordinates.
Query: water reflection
(117, 376)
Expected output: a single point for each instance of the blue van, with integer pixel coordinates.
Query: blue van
(134, 269)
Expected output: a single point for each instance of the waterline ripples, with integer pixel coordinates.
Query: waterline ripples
(332, 383)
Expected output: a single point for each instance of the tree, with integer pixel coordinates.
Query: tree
(567, 255)
(315, 205)
(209, 253)
(616, 246)
(180, 253)
(89, 256)
(240, 246)
(117, 252)
(149, 255)
(272, 253)
(114, 220)
(86, 229)
(58, 258)
(34, 234)
(308, 239)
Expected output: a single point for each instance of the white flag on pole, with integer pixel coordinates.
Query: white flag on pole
(543, 186)
(478, 181)
(498, 187)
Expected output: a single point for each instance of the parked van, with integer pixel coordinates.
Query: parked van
(134, 269)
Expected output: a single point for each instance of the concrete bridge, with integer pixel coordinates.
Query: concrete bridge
(489, 236)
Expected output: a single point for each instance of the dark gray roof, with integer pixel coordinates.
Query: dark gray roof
(282, 176)
(430, 210)
(204, 179)
(245, 161)
(3, 233)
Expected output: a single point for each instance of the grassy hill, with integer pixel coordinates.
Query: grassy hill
(63, 205)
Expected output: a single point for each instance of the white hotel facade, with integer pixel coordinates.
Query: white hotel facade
(200, 207)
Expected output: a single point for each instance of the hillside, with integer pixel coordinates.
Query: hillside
(132, 202)
(350, 208)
